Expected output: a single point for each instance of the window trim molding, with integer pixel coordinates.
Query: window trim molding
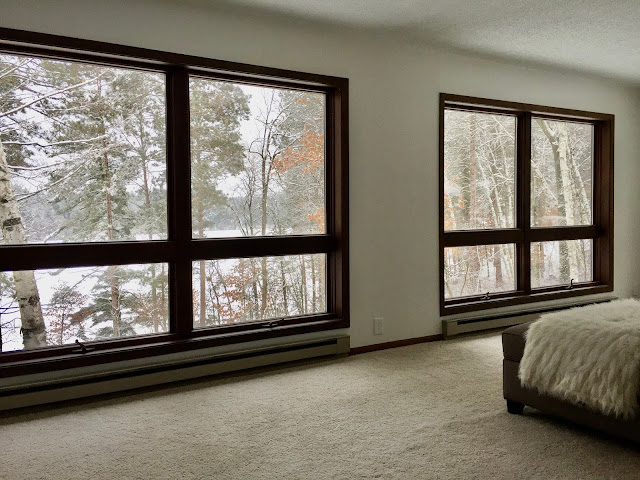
(179, 250)
(601, 231)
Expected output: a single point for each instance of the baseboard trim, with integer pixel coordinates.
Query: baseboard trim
(457, 326)
(397, 343)
(28, 395)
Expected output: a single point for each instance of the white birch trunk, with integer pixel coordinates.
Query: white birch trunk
(567, 183)
(563, 153)
(584, 204)
(33, 328)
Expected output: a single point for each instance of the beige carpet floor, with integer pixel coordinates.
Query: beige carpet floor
(430, 411)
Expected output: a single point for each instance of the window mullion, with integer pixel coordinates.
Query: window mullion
(523, 195)
(555, 234)
(246, 247)
(468, 238)
(179, 198)
(603, 201)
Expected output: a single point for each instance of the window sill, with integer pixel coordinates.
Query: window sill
(518, 298)
(135, 352)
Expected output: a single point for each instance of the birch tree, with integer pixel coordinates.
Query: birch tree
(32, 326)
(479, 194)
(567, 195)
(17, 74)
(80, 138)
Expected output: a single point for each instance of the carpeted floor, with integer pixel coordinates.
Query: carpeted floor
(429, 411)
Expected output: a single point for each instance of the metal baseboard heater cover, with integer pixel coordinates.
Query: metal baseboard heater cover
(457, 326)
(51, 391)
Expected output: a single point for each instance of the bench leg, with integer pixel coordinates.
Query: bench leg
(514, 408)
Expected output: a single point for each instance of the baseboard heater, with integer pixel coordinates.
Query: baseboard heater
(87, 385)
(452, 327)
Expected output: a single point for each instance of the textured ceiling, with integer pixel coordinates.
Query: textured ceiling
(599, 36)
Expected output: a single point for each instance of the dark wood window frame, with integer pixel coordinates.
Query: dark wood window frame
(179, 250)
(601, 231)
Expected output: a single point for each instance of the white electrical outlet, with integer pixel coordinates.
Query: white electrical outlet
(378, 324)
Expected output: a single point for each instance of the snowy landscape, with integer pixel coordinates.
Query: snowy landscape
(83, 159)
(480, 193)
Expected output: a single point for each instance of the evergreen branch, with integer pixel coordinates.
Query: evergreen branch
(48, 95)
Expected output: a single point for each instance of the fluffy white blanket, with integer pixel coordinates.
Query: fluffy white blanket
(587, 355)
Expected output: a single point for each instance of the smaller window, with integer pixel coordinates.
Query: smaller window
(561, 263)
(257, 160)
(479, 269)
(561, 173)
(241, 290)
(86, 155)
(526, 203)
(479, 170)
(78, 304)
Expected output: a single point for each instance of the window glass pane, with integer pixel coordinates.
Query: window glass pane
(479, 269)
(257, 160)
(57, 307)
(561, 173)
(253, 289)
(479, 170)
(84, 152)
(557, 263)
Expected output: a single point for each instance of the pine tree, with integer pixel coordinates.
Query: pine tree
(107, 311)
(217, 108)
(113, 186)
(141, 101)
(7, 308)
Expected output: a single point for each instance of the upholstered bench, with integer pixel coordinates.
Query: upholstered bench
(513, 342)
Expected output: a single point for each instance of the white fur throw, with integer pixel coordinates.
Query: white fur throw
(587, 355)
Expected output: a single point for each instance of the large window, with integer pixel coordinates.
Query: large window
(152, 202)
(526, 203)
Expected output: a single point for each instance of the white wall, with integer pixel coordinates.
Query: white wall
(394, 130)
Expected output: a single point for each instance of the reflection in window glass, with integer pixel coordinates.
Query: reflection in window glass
(83, 148)
(257, 160)
(57, 307)
(557, 263)
(479, 170)
(479, 269)
(561, 173)
(253, 289)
